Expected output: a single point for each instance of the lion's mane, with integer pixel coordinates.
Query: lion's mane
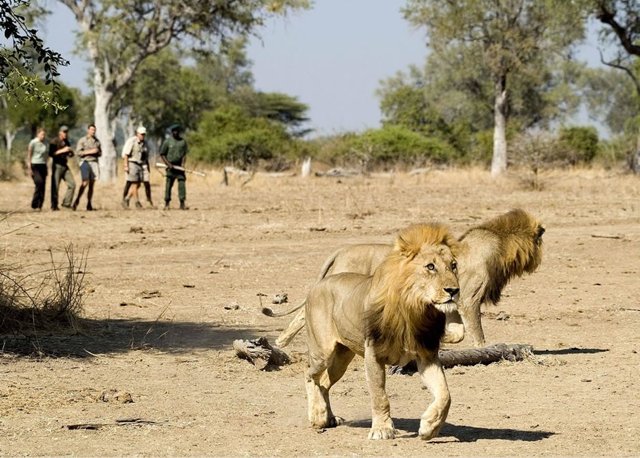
(398, 320)
(515, 241)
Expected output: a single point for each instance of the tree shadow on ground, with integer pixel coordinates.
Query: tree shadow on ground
(96, 337)
(463, 433)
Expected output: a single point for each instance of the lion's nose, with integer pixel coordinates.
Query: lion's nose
(453, 292)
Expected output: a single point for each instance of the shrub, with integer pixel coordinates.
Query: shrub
(386, 146)
(231, 135)
(578, 144)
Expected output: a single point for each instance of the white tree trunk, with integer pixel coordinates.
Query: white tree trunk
(9, 136)
(499, 160)
(108, 160)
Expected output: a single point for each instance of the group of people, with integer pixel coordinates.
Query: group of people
(135, 154)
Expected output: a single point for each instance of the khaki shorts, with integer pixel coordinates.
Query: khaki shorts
(89, 170)
(136, 173)
(146, 175)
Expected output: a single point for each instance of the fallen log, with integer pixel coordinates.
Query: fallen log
(260, 353)
(472, 356)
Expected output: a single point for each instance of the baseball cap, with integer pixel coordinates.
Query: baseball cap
(141, 130)
(175, 127)
(64, 129)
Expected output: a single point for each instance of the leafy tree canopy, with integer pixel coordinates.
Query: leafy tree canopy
(24, 57)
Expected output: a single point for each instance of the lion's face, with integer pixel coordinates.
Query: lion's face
(433, 278)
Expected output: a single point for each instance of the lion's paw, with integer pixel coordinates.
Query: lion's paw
(382, 432)
(335, 421)
(428, 431)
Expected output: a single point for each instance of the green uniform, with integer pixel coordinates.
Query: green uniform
(175, 151)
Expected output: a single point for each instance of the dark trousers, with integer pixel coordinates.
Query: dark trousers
(39, 172)
(59, 173)
(172, 176)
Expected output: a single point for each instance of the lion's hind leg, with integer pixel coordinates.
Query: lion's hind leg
(341, 359)
(322, 374)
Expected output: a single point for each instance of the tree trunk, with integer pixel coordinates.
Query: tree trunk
(499, 161)
(108, 160)
(9, 136)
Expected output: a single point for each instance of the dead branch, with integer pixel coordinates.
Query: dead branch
(260, 353)
(472, 356)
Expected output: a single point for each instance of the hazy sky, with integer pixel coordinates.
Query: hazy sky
(332, 57)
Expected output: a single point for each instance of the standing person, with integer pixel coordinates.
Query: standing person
(37, 165)
(136, 158)
(89, 151)
(173, 153)
(59, 151)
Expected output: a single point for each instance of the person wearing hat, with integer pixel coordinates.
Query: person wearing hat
(89, 151)
(136, 159)
(59, 151)
(173, 153)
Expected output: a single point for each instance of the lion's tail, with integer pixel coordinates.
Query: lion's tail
(328, 264)
(294, 328)
(269, 312)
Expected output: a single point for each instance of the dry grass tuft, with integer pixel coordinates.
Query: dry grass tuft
(47, 301)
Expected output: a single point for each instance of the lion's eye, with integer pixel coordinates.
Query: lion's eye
(454, 266)
(431, 266)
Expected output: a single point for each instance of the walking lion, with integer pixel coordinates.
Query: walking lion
(394, 316)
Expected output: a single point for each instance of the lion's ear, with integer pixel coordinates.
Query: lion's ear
(409, 241)
(406, 246)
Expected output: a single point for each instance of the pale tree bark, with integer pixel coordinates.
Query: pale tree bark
(499, 159)
(9, 130)
(9, 136)
(107, 80)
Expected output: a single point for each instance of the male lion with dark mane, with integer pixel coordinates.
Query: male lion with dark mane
(394, 316)
(491, 254)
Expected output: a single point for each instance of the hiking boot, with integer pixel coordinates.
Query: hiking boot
(55, 209)
(125, 203)
(150, 203)
(67, 206)
(138, 204)
(89, 208)
(74, 206)
(166, 206)
(183, 206)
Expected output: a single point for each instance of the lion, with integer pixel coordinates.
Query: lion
(394, 316)
(491, 255)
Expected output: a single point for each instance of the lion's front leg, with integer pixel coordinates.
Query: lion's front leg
(433, 378)
(454, 329)
(471, 318)
(381, 423)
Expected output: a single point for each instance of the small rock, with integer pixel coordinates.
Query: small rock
(281, 298)
(123, 397)
(232, 306)
(502, 316)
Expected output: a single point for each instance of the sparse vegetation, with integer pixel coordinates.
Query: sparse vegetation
(52, 300)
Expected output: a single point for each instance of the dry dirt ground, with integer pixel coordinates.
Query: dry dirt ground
(170, 291)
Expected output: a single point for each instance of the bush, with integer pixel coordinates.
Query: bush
(578, 144)
(386, 146)
(231, 135)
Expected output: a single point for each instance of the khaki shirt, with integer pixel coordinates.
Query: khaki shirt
(136, 150)
(85, 144)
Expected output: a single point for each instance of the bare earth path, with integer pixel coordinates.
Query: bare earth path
(159, 330)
